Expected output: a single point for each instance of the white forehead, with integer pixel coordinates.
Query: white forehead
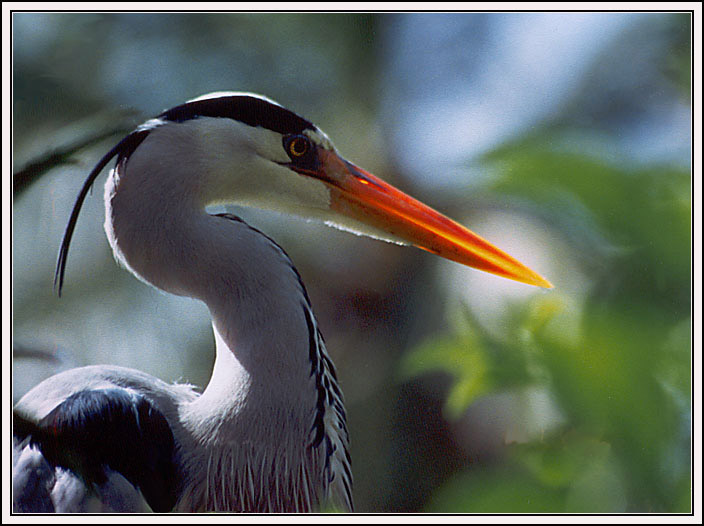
(319, 138)
(218, 94)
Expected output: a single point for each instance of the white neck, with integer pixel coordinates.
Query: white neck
(253, 293)
(263, 400)
(262, 365)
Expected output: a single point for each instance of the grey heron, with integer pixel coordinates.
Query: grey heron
(269, 432)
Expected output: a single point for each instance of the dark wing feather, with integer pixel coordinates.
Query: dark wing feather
(114, 429)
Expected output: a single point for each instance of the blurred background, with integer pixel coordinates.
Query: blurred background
(564, 138)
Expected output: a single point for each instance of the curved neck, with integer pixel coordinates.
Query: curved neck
(255, 297)
(272, 406)
(262, 366)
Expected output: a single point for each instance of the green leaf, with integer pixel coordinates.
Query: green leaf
(565, 473)
(632, 227)
(462, 357)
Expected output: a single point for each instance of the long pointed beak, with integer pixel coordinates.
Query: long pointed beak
(366, 198)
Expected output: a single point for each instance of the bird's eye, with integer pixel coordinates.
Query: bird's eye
(297, 146)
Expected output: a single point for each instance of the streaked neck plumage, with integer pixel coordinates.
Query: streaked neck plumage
(269, 426)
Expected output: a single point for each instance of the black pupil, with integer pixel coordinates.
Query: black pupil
(299, 146)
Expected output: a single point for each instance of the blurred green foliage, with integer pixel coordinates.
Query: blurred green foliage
(622, 383)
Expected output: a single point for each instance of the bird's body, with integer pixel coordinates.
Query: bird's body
(268, 433)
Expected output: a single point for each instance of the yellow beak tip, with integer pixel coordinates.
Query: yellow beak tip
(542, 282)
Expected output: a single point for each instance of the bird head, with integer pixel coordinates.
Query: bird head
(279, 160)
(245, 149)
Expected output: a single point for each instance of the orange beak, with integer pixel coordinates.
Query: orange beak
(358, 194)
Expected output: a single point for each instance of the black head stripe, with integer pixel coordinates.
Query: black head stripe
(250, 110)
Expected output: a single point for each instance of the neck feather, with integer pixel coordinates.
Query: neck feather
(273, 396)
(254, 295)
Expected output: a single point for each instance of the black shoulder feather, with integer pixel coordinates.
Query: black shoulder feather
(93, 431)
